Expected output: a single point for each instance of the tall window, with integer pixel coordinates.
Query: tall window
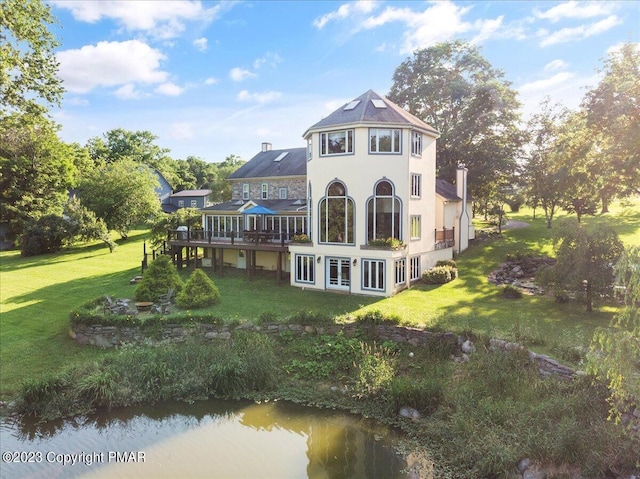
(416, 143)
(416, 185)
(336, 215)
(305, 268)
(414, 264)
(265, 191)
(245, 191)
(282, 193)
(416, 227)
(401, 271)
(336, 142)
(373, 274)
(384, 140)
(383, 213)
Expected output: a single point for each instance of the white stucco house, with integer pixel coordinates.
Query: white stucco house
(364, 192)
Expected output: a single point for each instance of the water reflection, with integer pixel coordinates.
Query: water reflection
(214, 439)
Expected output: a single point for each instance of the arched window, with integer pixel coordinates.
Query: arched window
(383, 213)
(336, 215)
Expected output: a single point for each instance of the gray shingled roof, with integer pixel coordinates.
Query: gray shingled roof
(366, 112)
(294, 163)
(191, 193)
(447, 190)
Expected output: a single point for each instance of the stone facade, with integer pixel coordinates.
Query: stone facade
(296, 188)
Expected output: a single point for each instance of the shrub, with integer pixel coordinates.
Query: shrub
(447, 262)
(199, 292)
(157, 279)
(440, 275)
(511, 292)
(301, 238)
(375, 369)
(46, 235)
(391, 243)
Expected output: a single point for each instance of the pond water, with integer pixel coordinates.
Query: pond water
(213, 439)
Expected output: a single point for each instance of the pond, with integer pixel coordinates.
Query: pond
(213, 439)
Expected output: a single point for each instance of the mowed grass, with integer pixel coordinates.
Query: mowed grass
(38, 293)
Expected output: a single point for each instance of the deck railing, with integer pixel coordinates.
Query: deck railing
(247, 236)
(445, 238)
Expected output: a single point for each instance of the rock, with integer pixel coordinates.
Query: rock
(409, 413)
(468, 347)
(102, 342)
(524, 464)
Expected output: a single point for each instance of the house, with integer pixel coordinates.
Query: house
(187, 199)
(363, 196)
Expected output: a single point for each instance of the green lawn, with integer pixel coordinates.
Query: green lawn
(38, 293)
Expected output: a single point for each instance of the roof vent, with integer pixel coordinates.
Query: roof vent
(352, 105)
(281, 156)
(378, 103)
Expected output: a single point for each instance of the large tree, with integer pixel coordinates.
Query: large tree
(452, 87)
(613, 110)
(36, 170)
(585, 258)
(28, 66)
(120, 193)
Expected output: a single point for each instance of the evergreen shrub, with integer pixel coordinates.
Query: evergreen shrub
(440, 275)
(157, 279)
(199, 292)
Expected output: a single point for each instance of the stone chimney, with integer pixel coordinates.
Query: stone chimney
(266, 146)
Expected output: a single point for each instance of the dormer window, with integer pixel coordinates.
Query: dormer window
(384, 140)
(336, 142)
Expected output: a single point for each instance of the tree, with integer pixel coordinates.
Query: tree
(47, 234)
(28, 66)
(85, 226)
(160, 276)
(199, 291)
(613, 110)
(615, 351)
(36, 170)
(221, 188)
(584, 261)
(453, 88)
(121, 193)
(189, 217)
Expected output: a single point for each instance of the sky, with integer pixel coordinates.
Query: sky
(214, 79)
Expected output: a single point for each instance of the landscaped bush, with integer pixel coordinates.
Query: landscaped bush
(447, 262)
(46, 235)
(301, 238)
(511, 292)
(157, 279)
(199, 292)
(440, 275)
(391, 243)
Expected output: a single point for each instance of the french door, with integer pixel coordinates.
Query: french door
(338, 273)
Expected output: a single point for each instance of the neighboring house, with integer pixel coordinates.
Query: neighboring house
(163, 191)
(367, 175)
(188, 199)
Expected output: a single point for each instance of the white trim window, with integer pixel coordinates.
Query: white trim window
(337, 214)
(336, 142)
(416, 185)
(384, 140)
(282, 193)
(373, 274)
(265, 191)
(245, 191)
(416, 143)
(415, 223)
(194, 203)
(305, 268)
(180, 203)
(414, 266)
(384, 213)
(401, 271)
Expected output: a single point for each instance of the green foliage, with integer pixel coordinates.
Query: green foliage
(447, 262)
(28, 65)
(199, 292)
(585, 258)
(162, 222)
(157, 279)
(301, 238)
(121, 194)
(511, 292)
(391, 243)
(374, 370)
(46, 235)
(323, 356)
(440, 275)
(84, 225)
(425, 394)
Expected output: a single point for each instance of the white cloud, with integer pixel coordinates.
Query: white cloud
(128, 92)
(240, 74)
(77, 101)
(201, 44)
(547, 83)
(110, 64)
(211, 81)
(555, 65)
(262, 98)
(169, 89)
(571, 34)
(345, 11)
(161, 19)
(269, 59)
(574, 9)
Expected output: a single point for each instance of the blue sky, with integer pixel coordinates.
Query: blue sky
(211, 79)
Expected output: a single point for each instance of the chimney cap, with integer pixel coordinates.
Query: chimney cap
(266, 146)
